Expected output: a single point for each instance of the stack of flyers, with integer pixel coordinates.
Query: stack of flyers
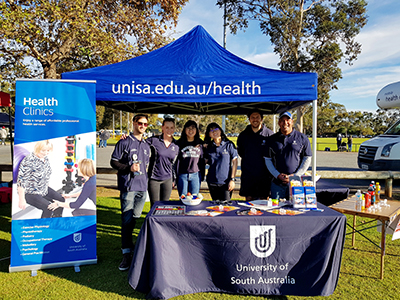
(222, 208)
(311, 197)
(203, 213)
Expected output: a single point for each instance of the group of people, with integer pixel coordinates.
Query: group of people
(159, 163)
(339, 142)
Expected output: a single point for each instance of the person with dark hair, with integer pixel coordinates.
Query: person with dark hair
(255, 179)
(350, 143)
(338, 141)
(221, 155)
(131, 158)
(190, 165)
(164, 151)
(288, 153)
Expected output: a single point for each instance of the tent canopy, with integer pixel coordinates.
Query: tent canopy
(195, 75)
(5, 120)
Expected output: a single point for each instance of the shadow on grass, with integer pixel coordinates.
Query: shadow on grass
(105, 275)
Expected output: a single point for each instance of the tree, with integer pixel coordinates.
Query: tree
(46, 38)
(308, 35)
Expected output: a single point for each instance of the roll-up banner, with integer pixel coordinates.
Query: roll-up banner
(54, 181)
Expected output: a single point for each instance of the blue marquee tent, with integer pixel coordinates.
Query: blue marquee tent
(195, 75)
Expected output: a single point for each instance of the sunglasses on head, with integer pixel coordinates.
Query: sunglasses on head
(143, 124)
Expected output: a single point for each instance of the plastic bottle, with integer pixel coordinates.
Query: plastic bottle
(378, 192)
(371, 191)
(367, 200)
(358, 201)
(363, 202)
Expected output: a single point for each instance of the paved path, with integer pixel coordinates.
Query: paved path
(326, 160)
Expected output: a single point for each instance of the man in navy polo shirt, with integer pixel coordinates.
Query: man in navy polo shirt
(255, 179)
(131, 158)
(288, 153)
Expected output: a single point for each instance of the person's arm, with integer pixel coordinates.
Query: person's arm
(21, 197)
(233, 174)
(56, 204)
(240, 148)
(271, 168)
(305, 163)
(117, 165)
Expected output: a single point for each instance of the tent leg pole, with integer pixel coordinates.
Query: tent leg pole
(314, 142)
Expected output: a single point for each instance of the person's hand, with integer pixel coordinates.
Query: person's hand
(231, 185)
(65, 196)
(135, 167)
(123, 136)
(54, 205)
(284, 178)
(22, 203)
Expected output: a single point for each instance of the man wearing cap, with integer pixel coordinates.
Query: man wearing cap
(288, 153)
(131, 158)
(255, 179)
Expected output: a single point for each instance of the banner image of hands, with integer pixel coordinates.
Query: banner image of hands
(54, 175)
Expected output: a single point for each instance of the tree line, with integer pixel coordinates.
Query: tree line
(331, 120)
(43, 39)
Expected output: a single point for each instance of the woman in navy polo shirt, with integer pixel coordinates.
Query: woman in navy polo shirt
(164, 151)
(221, 155)
(190, 163)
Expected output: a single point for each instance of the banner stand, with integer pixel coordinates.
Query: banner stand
(54, 175)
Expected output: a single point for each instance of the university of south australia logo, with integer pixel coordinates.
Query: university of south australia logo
(262, 240)
(77, 237)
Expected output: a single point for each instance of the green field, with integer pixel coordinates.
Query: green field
(359, 276)
(322, 143)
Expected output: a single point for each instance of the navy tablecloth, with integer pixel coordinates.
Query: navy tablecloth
(258, 255)
(329, 193)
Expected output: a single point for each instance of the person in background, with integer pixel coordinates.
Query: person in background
(87, 170)
(255, 179)
(221, 155)
(104, 136)
(131, 158)
(100, 138)
(3, 135)
(339, 141)
(164, 151)
(33, 181)
(350, 142)
(190, 165)
(288, 153)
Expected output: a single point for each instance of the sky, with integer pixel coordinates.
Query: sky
(376, 66)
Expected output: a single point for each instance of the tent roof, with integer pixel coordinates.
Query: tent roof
(195, 75)
(5, 119)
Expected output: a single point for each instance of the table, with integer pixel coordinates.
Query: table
(269, 254)
(386, 215)
(329, 193)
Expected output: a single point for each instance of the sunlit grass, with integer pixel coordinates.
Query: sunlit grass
(359, 276)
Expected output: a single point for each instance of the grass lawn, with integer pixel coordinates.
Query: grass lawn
(359, 276)
(322, 143)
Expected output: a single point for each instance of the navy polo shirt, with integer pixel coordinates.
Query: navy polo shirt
(126, 152)
(219, 159)
(162, 158)
(288, 151)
